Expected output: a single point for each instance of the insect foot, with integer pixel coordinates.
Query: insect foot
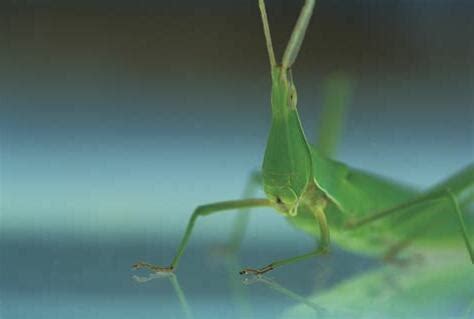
(257, 272)
(153, 268)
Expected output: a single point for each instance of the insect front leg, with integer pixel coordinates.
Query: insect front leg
(202, 211)
(322, 249)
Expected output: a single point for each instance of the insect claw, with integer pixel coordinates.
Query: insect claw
(257, 272)
(153, 268)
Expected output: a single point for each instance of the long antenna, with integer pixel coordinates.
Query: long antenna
(297, 36)
(266, 31)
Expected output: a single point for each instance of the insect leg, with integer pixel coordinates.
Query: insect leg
(322, 249)
(338, 89)
(203, 211)
(462, 225)
(282, 262)
(433, 197)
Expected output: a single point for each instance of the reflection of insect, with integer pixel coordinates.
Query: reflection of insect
(321, 195)
(441, 289)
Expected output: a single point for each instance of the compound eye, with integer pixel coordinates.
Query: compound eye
(287, 196)
(293, 97)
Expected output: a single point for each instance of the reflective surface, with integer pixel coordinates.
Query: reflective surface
(54, 279)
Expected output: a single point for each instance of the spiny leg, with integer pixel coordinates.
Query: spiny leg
(203, 211)
(322, 249)
(282, 262)
(433, 197)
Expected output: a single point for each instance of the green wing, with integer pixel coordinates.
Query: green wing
(356, 192)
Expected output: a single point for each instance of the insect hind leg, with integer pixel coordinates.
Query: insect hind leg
(462, 224)
(434, 198)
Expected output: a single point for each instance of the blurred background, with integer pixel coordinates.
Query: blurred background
(118, 118)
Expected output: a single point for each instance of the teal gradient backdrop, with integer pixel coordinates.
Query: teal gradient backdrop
(118, 119)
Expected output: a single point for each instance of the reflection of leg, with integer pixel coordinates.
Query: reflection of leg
(393, 252)
(239, 296)
(203, 211)
(290, 294)
(426, 203)
(181, 297)
(321, 250)
(241, 220)
(469, 311)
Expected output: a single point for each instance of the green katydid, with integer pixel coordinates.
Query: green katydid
(323, 196)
